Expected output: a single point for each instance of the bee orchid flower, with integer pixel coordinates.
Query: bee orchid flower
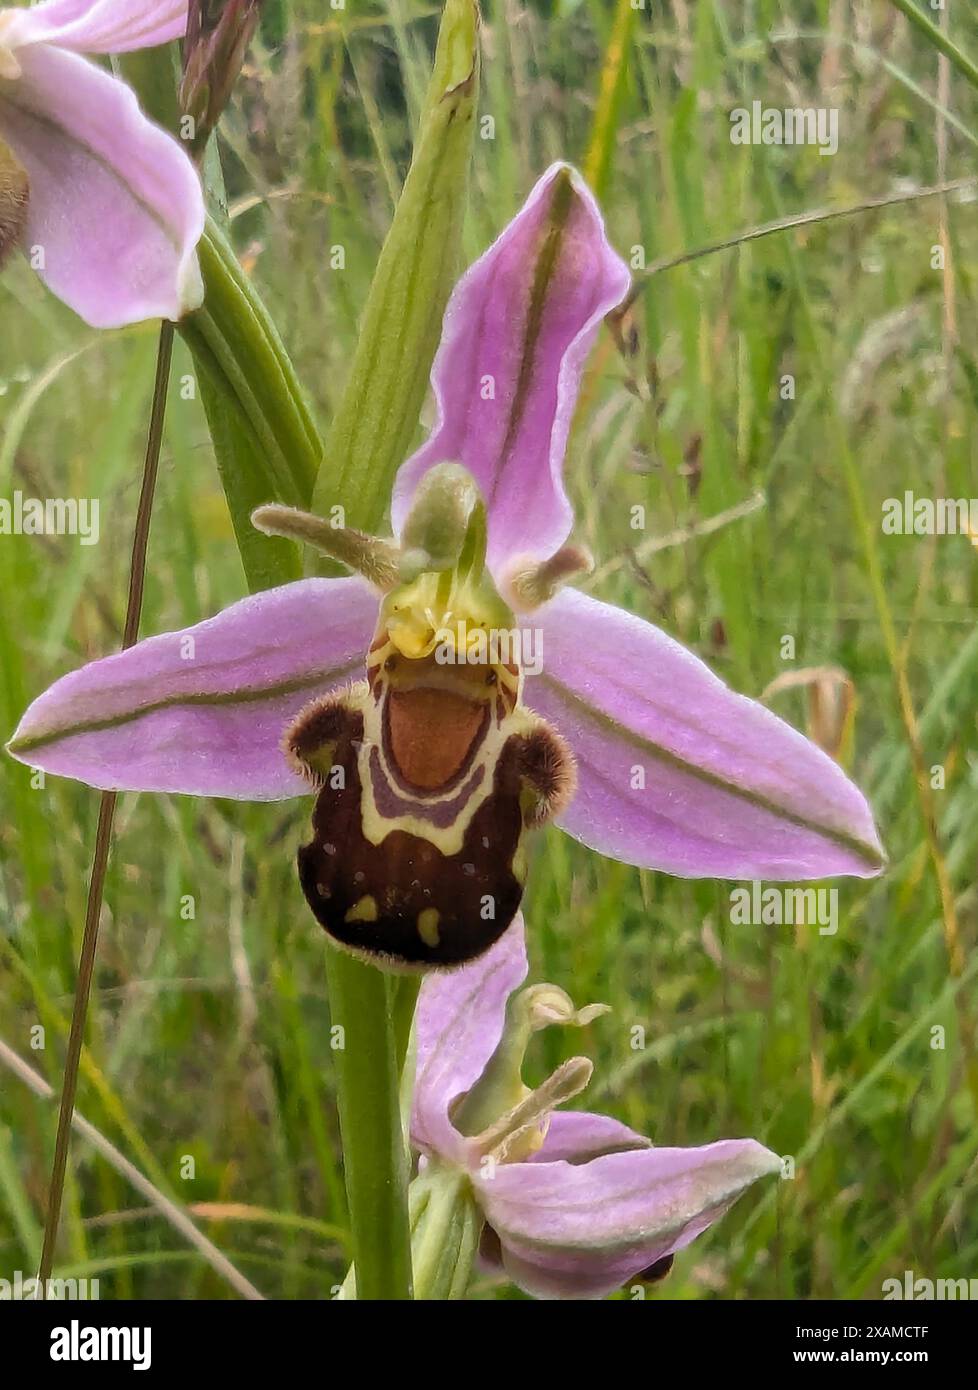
(566, 1204)
(108, 205)
(432, 765)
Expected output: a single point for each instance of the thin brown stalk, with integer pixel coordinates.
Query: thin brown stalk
(106, 814)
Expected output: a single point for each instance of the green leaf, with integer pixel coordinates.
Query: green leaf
(267, 445)
(266, 442)
(378, 414)
(245, 479)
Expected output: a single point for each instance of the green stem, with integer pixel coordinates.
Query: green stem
(446, 1225)
(405, 997)
(370, 1125)
(369, 437)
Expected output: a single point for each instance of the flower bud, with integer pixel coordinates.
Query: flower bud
(218, 35)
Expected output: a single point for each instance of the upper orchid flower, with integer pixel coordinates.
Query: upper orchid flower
(431, 770)
(569, 1205)
(108, 204)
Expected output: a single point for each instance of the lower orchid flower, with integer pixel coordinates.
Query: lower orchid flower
(109, 205)
(430, 771)
(566, 1204)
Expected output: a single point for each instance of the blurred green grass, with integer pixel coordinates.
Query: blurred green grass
(209, 1034)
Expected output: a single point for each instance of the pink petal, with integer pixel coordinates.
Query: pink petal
(459, 1023)
(100, 26)
(205, 716)
(730, 790)
(115, 202)
(530, 331)
(577, 1136)
(581, 1231)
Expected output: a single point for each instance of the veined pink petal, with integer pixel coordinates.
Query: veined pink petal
(676, 772)
(517, 330)
(116, 207)
(577, 1136)
(203, 710)
(458, 1025)
(581, 1231)
(99, 26)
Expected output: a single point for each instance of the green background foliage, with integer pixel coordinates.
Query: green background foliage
(209, 1034)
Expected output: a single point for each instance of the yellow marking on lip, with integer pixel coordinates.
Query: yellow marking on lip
(363, 911)
(450, 838)
(428, 926)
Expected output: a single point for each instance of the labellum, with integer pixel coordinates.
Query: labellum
(14, 200)
(430, 772)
